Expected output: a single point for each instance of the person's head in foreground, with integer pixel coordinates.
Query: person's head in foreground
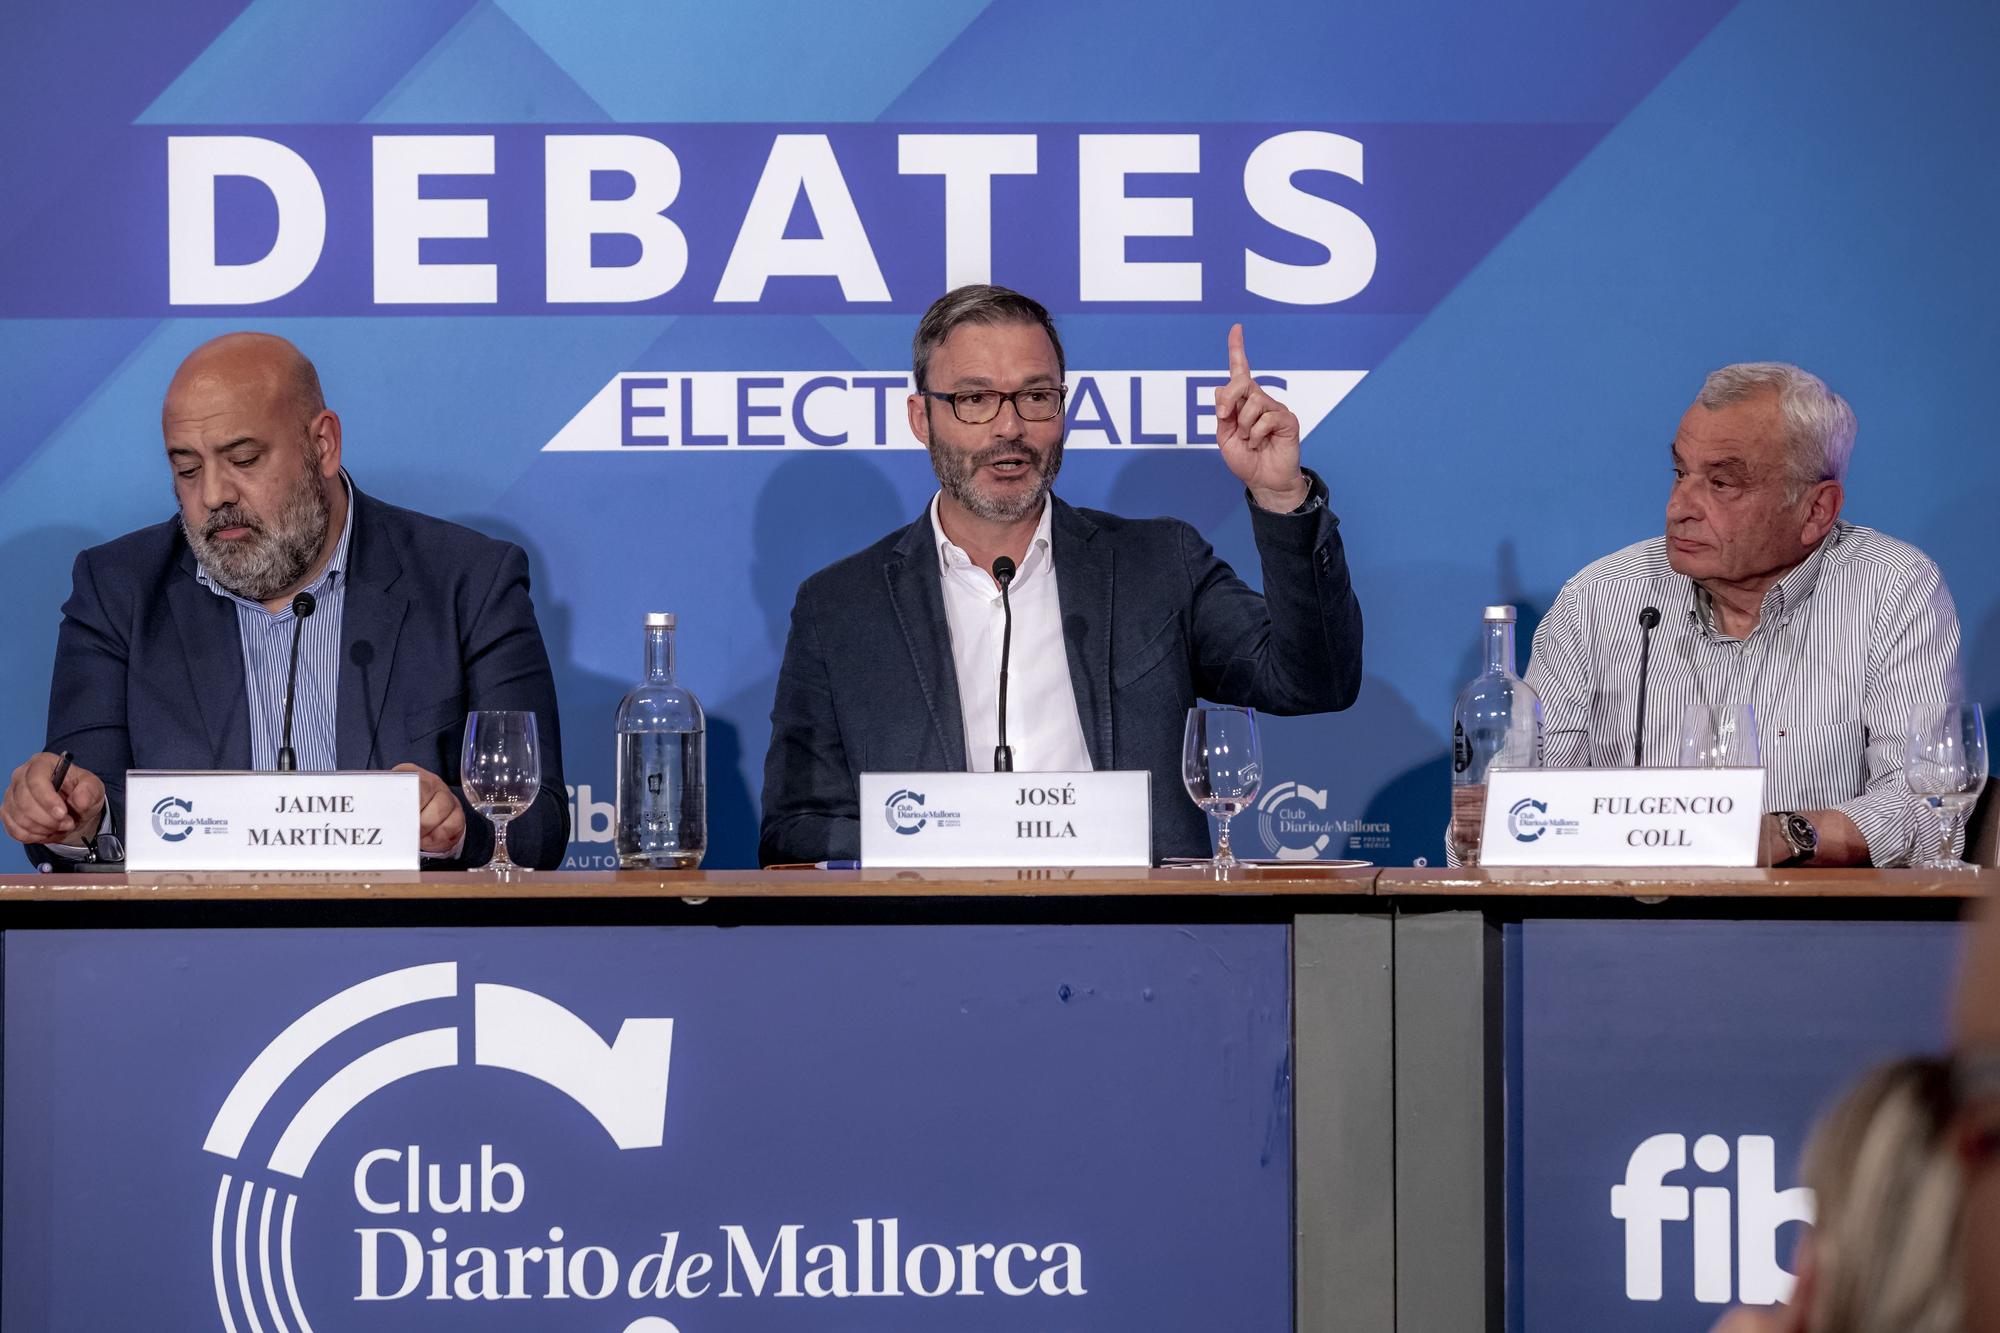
(1886, 1167)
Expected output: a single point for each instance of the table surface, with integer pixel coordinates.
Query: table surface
(1303, 879)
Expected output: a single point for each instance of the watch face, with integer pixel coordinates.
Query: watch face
(1800, 832)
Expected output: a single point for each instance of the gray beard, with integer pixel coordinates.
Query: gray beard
(955, 473)
(264, 564)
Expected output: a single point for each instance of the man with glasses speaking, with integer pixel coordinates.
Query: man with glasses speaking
(893, 660)
(175, 650)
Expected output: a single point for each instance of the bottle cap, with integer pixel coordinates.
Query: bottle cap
(1505, 613)
(665, 619)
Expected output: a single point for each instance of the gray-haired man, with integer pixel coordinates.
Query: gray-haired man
(1834, 634)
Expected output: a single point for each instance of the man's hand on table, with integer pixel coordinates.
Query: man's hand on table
(1840, 842)
(440, 818)
(33, 811)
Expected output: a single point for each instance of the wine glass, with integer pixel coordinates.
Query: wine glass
(1222, 765)
(1945, 766)
(502, 772)
(1720, 736)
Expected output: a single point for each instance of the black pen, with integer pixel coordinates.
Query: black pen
(62, 771)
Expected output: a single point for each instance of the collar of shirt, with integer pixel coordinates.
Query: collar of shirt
(334, 567)
(1788, 594)
(953, 562)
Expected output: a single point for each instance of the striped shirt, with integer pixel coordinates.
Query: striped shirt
(267, 657)
(1847, 645)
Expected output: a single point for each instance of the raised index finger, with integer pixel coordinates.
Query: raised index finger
(1239, 362)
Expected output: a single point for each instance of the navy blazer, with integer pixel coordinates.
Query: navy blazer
(1152, 620)
(436, 621)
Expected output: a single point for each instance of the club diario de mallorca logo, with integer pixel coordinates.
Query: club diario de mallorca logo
(1292, 818)
(623, 1086)
(907, 814)
(174, 820)
(403, 1258)
(1528, 820)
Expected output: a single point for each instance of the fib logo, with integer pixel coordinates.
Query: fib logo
(1735, 1232)
(622, 1085)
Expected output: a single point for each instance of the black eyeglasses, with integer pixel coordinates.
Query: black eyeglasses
(105, 849)
(976, 407)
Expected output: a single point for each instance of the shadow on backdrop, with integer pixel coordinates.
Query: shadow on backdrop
(1416, 802)
(588, 701)
(1194, 486)
(811, 512)
(1980, 652)
(38, 563)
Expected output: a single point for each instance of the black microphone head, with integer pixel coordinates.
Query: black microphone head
(1649, 617)
(303, 605)
(1003, 570)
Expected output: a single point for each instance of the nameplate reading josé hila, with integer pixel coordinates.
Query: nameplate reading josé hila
(1006, 819)
(270, 821)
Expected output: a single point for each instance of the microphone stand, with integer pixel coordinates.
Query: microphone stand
(1003, 574)
(1648, 618)
(302, 607)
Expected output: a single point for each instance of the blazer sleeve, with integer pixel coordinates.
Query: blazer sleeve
(1297, 647)
(87, 698)
(809, 802)
(507, 667)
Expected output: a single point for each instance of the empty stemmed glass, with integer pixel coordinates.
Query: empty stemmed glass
(1720, 736)
(1222, 765)
(1945, 766)
(502, 772)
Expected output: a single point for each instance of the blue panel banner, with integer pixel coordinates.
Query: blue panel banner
(645, 1131)
(1662, 1078)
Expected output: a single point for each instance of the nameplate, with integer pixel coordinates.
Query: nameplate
(1006, 819)
(1622, 817)
(270, 821)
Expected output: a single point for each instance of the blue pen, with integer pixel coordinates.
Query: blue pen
(836, 865)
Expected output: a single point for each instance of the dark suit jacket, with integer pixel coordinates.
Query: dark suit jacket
(1152, 620)
(436, 621)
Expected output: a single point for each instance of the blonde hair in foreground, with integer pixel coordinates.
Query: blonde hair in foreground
(1883, 1254)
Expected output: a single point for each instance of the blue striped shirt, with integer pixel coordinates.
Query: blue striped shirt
(267, 656)
(1846, 646)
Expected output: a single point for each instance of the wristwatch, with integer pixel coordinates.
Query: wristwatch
(1799, 835)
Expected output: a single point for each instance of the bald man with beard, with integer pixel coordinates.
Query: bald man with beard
(175, 642)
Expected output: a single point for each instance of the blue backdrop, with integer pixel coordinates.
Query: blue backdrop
(1532, 228)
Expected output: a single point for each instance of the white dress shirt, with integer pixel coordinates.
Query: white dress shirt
(1847, 645)
(1042, 722)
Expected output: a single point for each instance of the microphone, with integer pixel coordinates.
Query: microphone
(302, 606)
(1648, 618)
(1003, 574)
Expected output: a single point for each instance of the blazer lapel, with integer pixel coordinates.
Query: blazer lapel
(917, 594)
(371, 620)
(214, 648)
(1083, 582)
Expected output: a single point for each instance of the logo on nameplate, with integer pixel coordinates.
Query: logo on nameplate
(174, 820)
(907, 814)
(1528, 820)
